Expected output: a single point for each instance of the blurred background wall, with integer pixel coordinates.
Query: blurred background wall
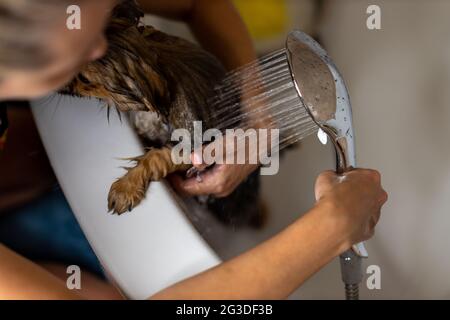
(399, 83)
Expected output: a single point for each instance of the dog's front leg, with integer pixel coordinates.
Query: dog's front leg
(128, 191)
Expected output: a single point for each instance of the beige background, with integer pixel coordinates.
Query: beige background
(399, 82)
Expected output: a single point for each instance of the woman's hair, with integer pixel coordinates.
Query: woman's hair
(24, 27)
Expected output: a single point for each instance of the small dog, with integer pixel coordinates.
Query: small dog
(164, 82)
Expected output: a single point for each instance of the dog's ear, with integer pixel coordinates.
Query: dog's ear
(123, 80)
(190, 74)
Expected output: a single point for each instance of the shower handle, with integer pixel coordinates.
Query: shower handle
(350, 260)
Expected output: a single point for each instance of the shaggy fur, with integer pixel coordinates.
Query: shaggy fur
(165, 83)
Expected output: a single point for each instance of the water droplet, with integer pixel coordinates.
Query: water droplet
(323, 137)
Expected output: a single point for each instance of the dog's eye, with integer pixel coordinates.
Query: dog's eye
(83, 79)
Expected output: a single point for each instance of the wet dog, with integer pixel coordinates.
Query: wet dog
(164, 83)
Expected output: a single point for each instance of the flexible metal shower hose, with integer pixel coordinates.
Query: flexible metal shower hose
(352, 292)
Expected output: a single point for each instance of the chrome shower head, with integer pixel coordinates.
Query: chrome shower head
(323, 93)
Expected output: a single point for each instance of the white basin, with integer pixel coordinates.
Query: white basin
(143, 251)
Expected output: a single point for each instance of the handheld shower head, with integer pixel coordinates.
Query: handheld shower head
(323, 93)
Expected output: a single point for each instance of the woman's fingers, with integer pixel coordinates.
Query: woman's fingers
(209, 182)
(197, 160)
(219, 180)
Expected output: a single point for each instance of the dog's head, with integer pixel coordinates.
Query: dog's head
(145, 69)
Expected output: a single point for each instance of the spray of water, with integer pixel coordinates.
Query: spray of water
(262, 95)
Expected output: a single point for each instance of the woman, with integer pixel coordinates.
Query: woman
(39, 54)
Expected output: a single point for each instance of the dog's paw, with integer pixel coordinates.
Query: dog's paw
(124, 195)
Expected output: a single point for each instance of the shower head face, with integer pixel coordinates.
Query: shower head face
(313, 78)
(323, 93)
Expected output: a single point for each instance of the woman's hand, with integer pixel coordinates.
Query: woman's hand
(351, 202)
(220, 180)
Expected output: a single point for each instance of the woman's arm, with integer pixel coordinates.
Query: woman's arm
(272, 270)
(347, 211)
(215, 23)
(23, 279)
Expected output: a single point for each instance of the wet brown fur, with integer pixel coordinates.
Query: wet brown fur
(147, 70)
